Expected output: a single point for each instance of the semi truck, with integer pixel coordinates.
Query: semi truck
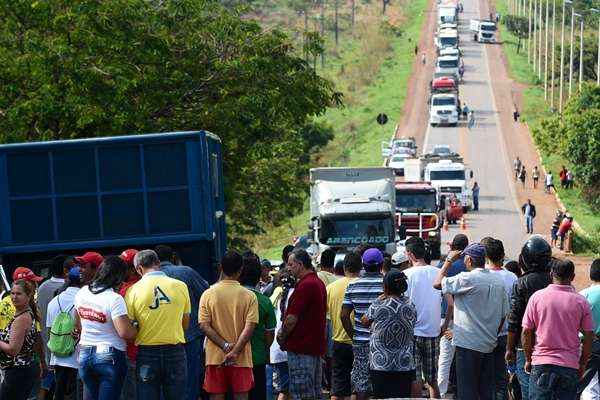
(352, 206)
(447, 14)
(417, 211)
(484, 31)
(450, 178)
(444, 109)
(113, 193)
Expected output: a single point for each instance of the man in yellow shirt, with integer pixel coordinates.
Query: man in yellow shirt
(161, 306)
(342, 357)
(228, 314)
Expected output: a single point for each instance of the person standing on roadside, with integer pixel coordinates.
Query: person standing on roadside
(562, 176)
(65, 367)
(471, 119)
(555, 225)
(523, 176)
(428, 303)
(553, 319)
(534, 258)
(155, 302)
(228, 315)
(263, 334)
(341, 366)
(528, 210)
(592, 295)
(549, 182)
(480, 305)
(516, 114)
(194, 336)
(494, 254)
(569, 184)
(535, 174)
(392, 318)
(517, 167)
(475, 191)
(360, 294)
(563, 230)
(303, 330)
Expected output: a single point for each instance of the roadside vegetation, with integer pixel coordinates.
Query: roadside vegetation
(371, 67)
(572, 141)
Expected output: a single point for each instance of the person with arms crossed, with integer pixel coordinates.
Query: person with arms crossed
(553, 319)
(228, 315)
(303, 333)
(161, 307)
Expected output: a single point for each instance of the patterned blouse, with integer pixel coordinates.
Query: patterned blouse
(392, 334)
(25, 355)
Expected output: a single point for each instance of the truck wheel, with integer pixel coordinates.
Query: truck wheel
(454, 125)
(433, 125)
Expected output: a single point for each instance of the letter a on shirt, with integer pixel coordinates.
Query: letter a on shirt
(159, 297)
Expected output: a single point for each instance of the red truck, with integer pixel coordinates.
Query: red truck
(418, 213)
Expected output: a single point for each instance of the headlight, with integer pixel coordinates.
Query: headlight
(432, 234)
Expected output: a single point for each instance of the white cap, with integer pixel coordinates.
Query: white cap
(399, 257)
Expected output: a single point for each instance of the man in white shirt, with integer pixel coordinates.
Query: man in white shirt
(494, 255)
(428, 302)
(65, 368)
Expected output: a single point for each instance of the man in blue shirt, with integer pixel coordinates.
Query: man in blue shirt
(194, 336)
(460, 242)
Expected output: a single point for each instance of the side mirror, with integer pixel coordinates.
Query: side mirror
(471, 174)
(402, 232)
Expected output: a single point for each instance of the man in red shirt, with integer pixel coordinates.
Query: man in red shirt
(303, 330)
(553, 319)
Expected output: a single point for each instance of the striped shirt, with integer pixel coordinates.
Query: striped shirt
(360, 294)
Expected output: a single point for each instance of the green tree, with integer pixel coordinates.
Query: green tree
(85, 68)
(518, 26)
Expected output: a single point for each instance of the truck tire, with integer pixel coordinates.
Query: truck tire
(454, 125)
(433, 125)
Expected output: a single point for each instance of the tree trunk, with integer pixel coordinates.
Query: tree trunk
(336, 24)
(323, 31)
(353, 12)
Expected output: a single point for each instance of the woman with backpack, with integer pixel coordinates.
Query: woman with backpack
(105, 326)
(17, 343)
(60, 320)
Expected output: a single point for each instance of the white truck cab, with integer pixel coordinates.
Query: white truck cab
(446, 38)
(484, 31)
(447, 14)
(443, 109)
(450, 178)
(447, 65)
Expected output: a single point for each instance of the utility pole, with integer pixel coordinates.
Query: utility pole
(539, 47)
(552, 56)
(546, 52)
(534, 31)
(571, 50)
(562, 56)
(529, 34)
(581, 53)
(353, 12)
(336, 23)
(595, 10)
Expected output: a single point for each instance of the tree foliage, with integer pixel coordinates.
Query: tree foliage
(577, 138)
(86, 68)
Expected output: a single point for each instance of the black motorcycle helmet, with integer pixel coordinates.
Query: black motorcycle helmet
(536, 254)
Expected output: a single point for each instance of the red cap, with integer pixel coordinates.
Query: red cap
(26, 274)
(90, 257)
(128, 255)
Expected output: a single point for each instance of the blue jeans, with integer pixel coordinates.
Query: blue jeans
(161, 372)
(194, 354)
(102, 373)
(500, 374)
(529, 223)
(474, 374)
(522, 375)
(553, 382)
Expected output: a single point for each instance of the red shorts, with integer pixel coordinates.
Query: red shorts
(218, 380)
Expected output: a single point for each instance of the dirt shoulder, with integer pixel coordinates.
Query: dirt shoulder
(519, 142)
(413, 116)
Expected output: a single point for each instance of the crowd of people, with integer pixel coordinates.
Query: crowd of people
(143, 326)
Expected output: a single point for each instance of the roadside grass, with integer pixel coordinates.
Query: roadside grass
(371, 86)
(535, 109)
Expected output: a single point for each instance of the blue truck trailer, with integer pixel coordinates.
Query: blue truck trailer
(113, 193)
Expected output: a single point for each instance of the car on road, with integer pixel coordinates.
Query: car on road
(396, 161)
(443, 109)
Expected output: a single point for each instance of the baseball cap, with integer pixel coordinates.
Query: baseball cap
(127, 255)
(372, 257)
(399, 257)
(475, 250)
(26, 274)
(74, 274)
(266, 263)
(90, 257)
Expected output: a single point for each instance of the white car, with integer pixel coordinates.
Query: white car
(397, 162)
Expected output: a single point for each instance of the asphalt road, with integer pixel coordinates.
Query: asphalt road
(482, 147)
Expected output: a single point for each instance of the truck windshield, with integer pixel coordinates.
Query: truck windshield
(448, 63)
(354, 231)
(443, 101)
(488, 28)
(412, 201)
(449, 41)
(447, 175)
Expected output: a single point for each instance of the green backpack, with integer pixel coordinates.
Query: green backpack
(61, 342)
